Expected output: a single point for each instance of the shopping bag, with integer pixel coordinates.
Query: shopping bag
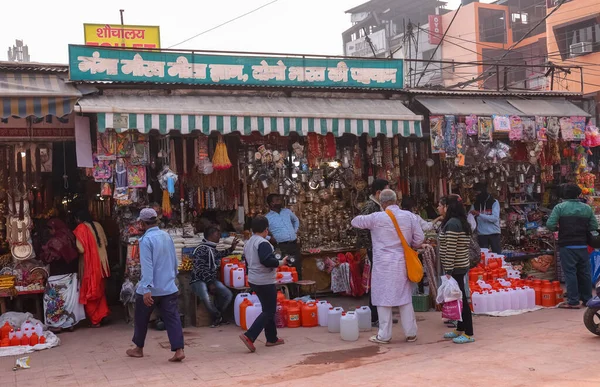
(448, 291)
(452, 310)
(414, 267)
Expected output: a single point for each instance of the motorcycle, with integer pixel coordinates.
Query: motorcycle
(591, 317)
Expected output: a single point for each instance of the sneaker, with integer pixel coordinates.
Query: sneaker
(375, 339)
(217, 322)
(411, 339)
(463, 339)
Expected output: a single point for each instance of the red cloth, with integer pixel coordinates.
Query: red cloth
(91, 293)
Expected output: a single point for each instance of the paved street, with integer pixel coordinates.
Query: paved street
(545, 348)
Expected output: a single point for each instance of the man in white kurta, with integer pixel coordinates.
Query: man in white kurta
(390, 285)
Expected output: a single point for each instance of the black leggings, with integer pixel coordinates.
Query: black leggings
(466, 325)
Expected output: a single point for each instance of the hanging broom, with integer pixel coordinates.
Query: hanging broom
(220, 158)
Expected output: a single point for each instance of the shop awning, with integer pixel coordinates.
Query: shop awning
(244, 114)
(468, 106)
(548, 107)
(24, 94)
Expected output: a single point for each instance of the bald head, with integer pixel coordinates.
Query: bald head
(387, 198)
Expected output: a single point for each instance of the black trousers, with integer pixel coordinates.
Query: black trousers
(169, 312)
(491, 242)
(374, 313)
(293, 249)
(466, 325)
(267, 295)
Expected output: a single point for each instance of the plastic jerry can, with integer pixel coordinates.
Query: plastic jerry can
(243, 310)
(280, 296)
(548, 295)
(293, 315)
(323, 312)
(514, 299)
(363, 314)
(39, 329)
(479, 303)
(254, 298)
(349, 327)
(333, 319)
(227, 273)
(237, 277)
(24, 340)
(5, 330)
(5, 343)
(27, 328)
(43, 340)
(19, 333)
(493, 301)
(530, 297)
(559, 292)
(505, 296)
(34, 339)
(279, 317)
(224, 262)
(15, 341)
(236, 306)
(310, 315)
(252, 313)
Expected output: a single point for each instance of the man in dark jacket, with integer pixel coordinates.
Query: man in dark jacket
(574, 221)
(364, 236)
(206, 263)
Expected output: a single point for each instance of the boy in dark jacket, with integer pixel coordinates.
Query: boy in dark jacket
(206, 263)
(574, 221)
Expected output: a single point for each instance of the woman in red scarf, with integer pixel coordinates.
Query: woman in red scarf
(91, 242)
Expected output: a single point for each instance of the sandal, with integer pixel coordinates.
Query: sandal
(463, 339)
(452, 335)
(278, 342)
(249, 344)
(566, 305)
(375, 339)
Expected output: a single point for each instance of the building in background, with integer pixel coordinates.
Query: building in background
(574, 40)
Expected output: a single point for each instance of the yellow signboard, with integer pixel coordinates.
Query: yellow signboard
(117, 35)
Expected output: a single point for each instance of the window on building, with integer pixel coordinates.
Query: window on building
(578, 38)
(492, 25)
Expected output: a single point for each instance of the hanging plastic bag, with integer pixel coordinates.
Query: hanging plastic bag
(448, 291)
(452, 310)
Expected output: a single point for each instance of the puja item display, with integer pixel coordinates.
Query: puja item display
(106, 145)
(541, 128)
(472, 125)
(529, 131)
(450, 136)
(485, 129)
(516, 128)
(566, 129)
(502, 124)
(136, 176)
(578, 128)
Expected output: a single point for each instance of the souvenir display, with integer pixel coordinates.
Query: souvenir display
(436, 124)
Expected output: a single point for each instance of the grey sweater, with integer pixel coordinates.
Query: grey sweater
(262, 264)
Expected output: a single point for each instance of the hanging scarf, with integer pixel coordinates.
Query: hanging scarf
(91, 281)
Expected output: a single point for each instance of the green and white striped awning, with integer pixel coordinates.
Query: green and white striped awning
(253, 114)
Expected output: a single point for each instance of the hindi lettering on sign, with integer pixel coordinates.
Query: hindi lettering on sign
(182, 69)
(264, 72)
(220, 72)
(104, 32)
(366, 75)
(338, 73)
(97, 65)
(138, 67)
(140, 34)
(308, 74)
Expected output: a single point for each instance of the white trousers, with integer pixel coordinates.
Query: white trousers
(407, 319)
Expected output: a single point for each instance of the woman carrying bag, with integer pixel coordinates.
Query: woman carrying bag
(454, 240)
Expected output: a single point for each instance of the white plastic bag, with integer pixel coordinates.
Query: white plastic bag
(448, 291)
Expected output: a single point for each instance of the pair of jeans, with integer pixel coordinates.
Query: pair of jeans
(267, 295)
(578, 277)
(491, 242)
(374, 311)
(466, 325)
(222, 295)
(169, 313)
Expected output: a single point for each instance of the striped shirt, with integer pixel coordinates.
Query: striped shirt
(454, 247)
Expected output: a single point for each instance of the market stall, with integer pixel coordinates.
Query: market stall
(524, 149)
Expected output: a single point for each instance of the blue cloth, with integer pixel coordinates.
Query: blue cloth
(283, 225)
(488, 222)
(159, 263)
(577, 247)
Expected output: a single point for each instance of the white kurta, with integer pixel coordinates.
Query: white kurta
(389, 281)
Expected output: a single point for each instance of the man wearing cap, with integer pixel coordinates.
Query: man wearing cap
(157, 287)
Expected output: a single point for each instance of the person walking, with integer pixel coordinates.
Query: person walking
(486, 210)
(91, 244)
(454, 240)
(283, 229)
(157, 287)
(390, 284)
(206, 263)
(364, 236)
(262, 272)
(574, 220)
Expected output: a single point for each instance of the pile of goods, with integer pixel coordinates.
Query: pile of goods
(297, 313)
(27, 334)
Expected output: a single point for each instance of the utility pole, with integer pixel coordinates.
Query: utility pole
(121, 11)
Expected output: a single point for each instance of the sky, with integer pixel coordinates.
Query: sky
(287, 26)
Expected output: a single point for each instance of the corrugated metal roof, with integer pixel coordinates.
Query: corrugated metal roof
(26, 84)
(379, 109)
(548, 107)
(492, 93)
(467, 106)
(34, 67)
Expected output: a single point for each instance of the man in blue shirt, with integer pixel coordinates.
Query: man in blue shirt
(157, 286)
(486, 210)
(283, 229)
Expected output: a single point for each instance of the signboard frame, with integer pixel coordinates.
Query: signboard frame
(87, 27)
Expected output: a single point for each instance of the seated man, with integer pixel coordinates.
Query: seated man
(206, 264)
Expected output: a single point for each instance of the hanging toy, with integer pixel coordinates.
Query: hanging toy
(220, 158)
